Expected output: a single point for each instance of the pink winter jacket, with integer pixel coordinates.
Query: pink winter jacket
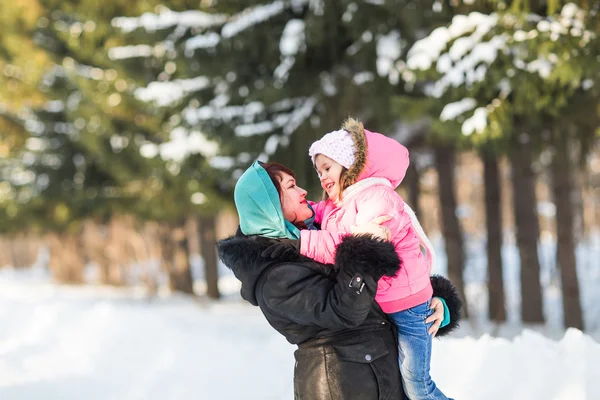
(371, 196)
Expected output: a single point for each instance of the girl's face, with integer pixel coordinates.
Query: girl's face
(329, 173)
(293, 200)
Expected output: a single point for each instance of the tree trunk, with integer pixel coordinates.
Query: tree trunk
(414, 188)
(175, 258)
(563, 188)
(95, 246)
(66, 260)
(181, 278)
(13, 254)
(5, 252)
(577, 203)
(208, 250)
(167, 251)
(496, 303)
(451, 229)
(527, 231)
(105, 268)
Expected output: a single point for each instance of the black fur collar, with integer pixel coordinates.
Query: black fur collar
(242, 255)
(245, 251)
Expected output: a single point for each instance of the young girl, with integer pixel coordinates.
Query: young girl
(359, 171)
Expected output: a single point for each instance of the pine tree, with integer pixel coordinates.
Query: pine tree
(83, 158)
(265, 80)
(18, 75)
(519, 71)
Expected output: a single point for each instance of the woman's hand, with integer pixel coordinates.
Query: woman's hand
(373, 228)
(437, 317)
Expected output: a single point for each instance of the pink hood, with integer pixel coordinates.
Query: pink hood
(375, 156)
(386, 158)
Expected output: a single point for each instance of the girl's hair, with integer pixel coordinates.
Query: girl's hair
(275, 171)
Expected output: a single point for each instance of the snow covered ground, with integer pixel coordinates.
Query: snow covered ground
(62, 342)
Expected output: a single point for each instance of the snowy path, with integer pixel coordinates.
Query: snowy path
(94, 343)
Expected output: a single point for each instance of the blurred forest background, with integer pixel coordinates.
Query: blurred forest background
(123, 128)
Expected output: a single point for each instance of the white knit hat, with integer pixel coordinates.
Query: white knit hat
(337, 145)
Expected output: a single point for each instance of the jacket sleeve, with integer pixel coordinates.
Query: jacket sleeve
(309, 297)
(320, 245)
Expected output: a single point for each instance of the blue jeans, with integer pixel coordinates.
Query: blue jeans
(414, 351)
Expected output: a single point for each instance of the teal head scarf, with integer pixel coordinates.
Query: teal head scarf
(259, 207)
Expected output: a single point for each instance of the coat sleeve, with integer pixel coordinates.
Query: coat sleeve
(308, 297)
(320, 245)
(315, 300)
(443, 288)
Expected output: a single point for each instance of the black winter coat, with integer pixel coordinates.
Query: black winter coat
(347, 347)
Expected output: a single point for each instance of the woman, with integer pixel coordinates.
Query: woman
(347, 347)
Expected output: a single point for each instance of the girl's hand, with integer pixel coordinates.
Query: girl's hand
(437, 317)
(373, 228)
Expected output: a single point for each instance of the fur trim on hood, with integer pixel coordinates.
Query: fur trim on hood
(357, 132)
(376, 156)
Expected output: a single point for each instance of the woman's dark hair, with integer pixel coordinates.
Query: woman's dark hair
(275, 170)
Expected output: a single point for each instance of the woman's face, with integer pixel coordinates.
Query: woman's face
(293, 200)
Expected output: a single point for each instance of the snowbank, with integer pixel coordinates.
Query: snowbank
(64, 343)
